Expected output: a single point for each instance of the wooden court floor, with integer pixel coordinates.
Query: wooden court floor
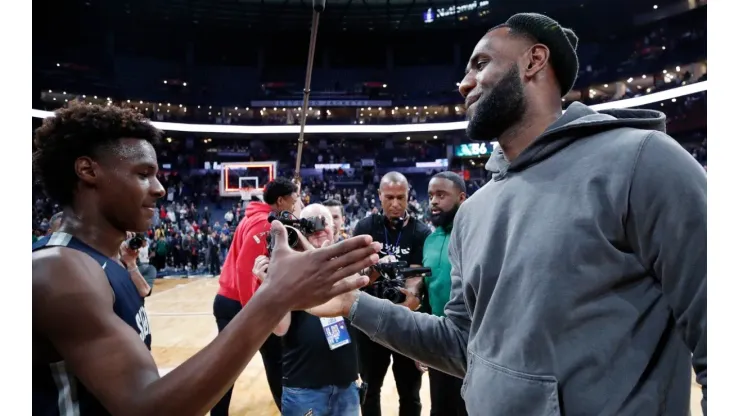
(181, 320)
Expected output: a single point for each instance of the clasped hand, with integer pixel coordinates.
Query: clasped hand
(309, 276)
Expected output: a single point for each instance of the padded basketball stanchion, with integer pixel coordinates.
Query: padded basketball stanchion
(318, 7)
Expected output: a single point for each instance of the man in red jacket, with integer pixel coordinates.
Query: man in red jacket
(238, 284)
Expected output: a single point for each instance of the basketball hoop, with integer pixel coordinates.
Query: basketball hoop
(246, 194)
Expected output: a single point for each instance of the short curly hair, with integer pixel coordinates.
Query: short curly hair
(276, 188)
(78, 130)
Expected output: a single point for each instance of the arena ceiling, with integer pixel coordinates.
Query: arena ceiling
(354, 15)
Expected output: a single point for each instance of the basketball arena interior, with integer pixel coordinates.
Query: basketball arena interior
(225, 81)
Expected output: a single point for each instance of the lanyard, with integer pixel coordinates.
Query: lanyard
(398, 240)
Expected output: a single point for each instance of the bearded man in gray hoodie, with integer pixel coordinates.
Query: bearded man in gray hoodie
(579, 270)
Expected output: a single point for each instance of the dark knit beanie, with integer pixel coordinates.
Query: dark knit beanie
(562, 43)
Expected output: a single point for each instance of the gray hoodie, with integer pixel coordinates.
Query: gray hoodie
(578, 277)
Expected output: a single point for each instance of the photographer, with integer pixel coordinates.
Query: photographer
(319, 371)
(237, 283)
(403, 238)
(128, 258)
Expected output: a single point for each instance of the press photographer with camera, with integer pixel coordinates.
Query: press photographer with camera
(319, 357)
(237, 283)
(402, 237)
(129, 252)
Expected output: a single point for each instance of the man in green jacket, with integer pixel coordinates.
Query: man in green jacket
(446, 193)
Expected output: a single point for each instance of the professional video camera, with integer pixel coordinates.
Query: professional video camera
(305, 226)
(392, 277)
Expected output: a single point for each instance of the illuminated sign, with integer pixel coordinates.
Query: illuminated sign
(475, 149)
(453, 10)
(331, 166)
(438, 163)
(429, 15)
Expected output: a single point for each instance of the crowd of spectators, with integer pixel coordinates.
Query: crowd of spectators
(193, 229)
(645, 50)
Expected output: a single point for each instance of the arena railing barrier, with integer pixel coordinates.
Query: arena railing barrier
(394, 128)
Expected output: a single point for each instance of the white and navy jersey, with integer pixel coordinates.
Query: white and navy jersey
(56, 391)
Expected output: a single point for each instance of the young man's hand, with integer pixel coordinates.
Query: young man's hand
(313, 277)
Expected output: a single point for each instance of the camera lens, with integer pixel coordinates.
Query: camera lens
(292, 238)
(394, 295)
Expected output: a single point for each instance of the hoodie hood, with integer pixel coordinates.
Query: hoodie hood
(256, 207)
(577, 122)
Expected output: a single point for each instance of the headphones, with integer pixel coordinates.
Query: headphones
(397, 223)
(381, 220)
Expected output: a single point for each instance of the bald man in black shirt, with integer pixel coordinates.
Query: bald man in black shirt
(402, 237)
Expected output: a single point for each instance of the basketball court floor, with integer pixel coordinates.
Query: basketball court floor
(181, 320)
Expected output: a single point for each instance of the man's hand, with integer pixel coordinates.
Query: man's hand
(372, 273)
(412, 299)
(338, 306)
(421, 367)
(260, 267)
(313, 277)
(388, 259)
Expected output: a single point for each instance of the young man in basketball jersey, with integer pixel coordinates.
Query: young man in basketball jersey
(91, 336)
(237, 283)
(403, 237)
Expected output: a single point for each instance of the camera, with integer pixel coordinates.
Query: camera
(305, 226)
(136, 242)
(392, 278)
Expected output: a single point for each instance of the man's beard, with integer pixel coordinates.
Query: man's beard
(498, 109)
(443, 219)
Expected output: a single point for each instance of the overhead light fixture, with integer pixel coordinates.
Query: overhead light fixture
(639, 101)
